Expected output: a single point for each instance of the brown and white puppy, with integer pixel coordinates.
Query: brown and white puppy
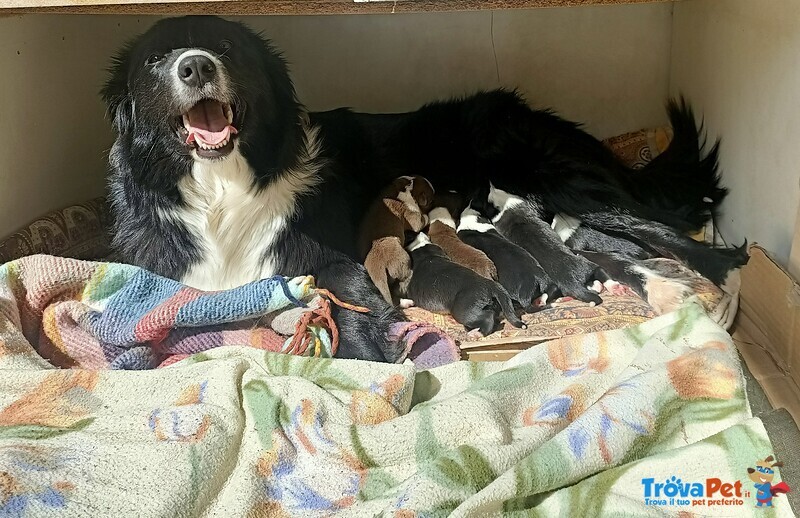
(388, 263)
(440, 285)
(442, 233)
(400, 207)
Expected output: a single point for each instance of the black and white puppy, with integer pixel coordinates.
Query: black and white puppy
(520, 221)
(440, 285)
(517, 271)
(581, 237)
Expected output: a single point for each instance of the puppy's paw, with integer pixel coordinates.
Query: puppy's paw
(579, 278)
(406, 303)
(618, 289)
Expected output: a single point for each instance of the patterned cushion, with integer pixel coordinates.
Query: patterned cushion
(638, 148)
(79, 231)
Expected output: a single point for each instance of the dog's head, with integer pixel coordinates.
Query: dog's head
(764, 471)
(194, 88)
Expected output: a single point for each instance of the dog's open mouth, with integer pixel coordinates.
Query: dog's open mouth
(208, 125)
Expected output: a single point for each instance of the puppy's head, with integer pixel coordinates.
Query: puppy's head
(422, 191)
(196, 87)
(416, 191)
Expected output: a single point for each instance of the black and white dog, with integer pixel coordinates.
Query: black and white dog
(219, 176)
(517, 271)
(438, 284)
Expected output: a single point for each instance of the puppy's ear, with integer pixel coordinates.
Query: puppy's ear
(750, 470)
(423, 192)
(778, 464)
(115, 93)
(769, 459)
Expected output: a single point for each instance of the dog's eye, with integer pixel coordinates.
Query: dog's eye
(152, 59)
(225, 45)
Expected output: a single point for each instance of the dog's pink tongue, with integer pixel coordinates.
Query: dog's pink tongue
(207, 122)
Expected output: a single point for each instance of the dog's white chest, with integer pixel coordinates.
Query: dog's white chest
(234, 224)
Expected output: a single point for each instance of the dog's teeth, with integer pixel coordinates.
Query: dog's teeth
(229, 114)
(186, 121)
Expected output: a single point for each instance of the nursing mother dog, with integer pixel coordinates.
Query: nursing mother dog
(219, 176)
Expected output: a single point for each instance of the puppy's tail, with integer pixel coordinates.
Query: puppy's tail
(682, 183)
(504, 299)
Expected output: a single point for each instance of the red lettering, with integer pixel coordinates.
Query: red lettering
(738, 488)
(712, 486)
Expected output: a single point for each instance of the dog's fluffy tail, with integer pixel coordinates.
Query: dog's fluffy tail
(682, 183)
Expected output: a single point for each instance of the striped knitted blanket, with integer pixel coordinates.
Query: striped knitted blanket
(90, 315)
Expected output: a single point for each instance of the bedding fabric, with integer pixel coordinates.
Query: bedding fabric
(583, 425)
(94, 315)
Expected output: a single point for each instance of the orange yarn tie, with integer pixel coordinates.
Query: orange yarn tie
(345, 305)
(319, 316)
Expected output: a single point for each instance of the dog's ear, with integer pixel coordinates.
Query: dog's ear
(423, 192)
(116, 94)
(778, 465)
(750, 470)
(769, 459)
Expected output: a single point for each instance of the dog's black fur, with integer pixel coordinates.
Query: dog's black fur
(523, 226)
(458, 145)
(438, 284)
(517, 271)
(591, 240)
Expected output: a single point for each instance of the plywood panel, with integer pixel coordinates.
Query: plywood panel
(238, 7)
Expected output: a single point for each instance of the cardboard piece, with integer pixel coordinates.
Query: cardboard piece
(794, 257)
(767, 329)
(498, 352)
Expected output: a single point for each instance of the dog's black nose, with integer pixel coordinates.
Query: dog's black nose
(196, 70)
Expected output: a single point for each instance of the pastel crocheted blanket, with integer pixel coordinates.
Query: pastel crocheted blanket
(649, 420)
(112, 316)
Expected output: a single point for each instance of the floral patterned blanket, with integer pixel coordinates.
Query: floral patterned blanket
(643, 421)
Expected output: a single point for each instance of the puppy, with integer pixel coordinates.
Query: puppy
(591, 240)
(399, 208)
(520, 221)
(387, 264)
(517, 271)
(453, 201)
(442, 233)
(438, 284)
